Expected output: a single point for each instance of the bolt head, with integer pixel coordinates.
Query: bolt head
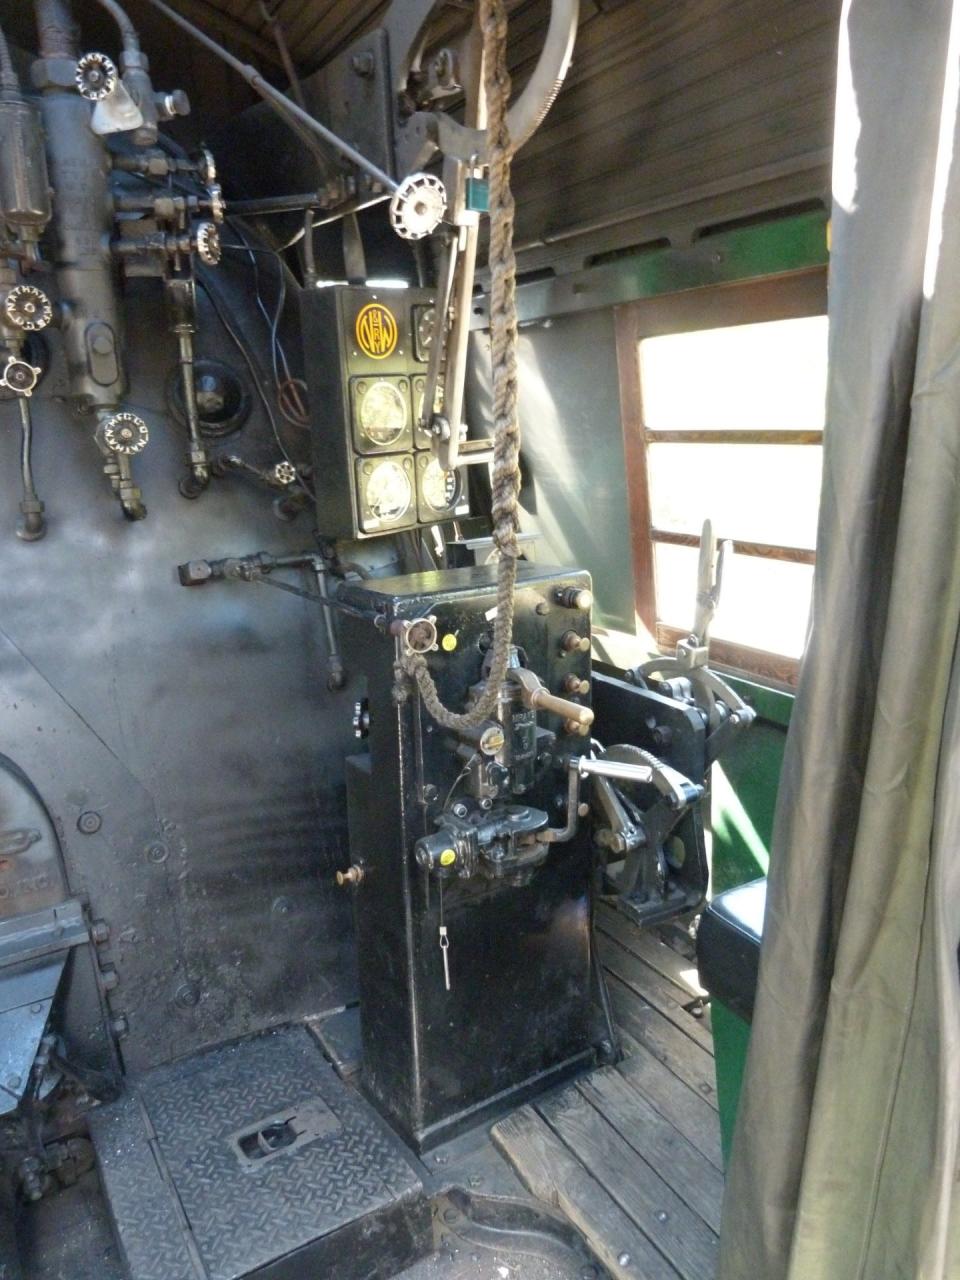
(89, 822)
(187, 995)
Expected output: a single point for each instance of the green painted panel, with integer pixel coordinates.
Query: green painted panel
(744, 795)
(731, 1038)
(774, 247)
(744, 790)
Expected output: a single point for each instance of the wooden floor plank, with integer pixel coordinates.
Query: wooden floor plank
(684, 1057)
(647, 945)
(652, 1136)
(655, 989)
(679, 1233)
(551, 1172)
(686, 1110)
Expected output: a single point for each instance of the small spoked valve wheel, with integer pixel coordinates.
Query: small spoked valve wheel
(285, 473)
(418, 206)
(206, 241)
(95, 77)
(27, 307)
(125, 433)
(20, 377)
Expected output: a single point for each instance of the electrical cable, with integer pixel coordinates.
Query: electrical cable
(290, 390)
(128, 32)
(256, 375)
(272, 322)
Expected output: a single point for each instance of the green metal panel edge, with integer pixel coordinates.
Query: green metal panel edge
(770, 704)
(775, 247)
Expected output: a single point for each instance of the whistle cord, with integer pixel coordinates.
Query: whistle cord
(505, 483)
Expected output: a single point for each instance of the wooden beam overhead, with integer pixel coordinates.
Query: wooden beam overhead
(214, 20)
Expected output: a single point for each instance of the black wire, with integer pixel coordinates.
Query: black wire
(273, 323)
(256, 375)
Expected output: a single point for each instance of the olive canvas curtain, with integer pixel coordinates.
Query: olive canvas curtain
(845, 1159)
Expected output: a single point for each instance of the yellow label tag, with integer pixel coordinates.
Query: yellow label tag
(449, 642)
(448, 858)
(377, 331)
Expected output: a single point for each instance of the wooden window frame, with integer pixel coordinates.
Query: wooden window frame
(785, 297)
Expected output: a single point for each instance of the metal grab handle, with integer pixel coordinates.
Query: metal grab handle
(614, 769)
(678, 790)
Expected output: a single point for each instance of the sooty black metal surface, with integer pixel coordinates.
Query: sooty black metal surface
(203, 1183)
(517, 1014)
(483, 1238)
(195, 726)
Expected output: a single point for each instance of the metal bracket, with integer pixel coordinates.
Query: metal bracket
(40, 933)
(33, 953)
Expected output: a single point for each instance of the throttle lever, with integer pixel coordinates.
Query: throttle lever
(534, 695)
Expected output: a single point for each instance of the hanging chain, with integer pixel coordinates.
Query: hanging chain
(503, 347)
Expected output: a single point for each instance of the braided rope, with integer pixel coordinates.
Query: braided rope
(503, 347)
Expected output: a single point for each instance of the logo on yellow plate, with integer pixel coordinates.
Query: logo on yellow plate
(377, 331)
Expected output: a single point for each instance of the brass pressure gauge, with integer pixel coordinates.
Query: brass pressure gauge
(440, 488)
(381, 414)
(441, 494)
(386, 494)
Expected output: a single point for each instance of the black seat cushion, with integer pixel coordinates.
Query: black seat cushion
(728, 946)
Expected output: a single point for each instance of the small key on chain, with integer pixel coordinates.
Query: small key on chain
(445, 950)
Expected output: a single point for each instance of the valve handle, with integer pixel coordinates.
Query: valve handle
(535, 696)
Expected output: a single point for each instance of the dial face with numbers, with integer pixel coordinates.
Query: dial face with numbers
(382, 413)
(441, 488)
(388, 492)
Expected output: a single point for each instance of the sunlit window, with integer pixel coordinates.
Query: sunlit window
(732, 420)
(745, 377)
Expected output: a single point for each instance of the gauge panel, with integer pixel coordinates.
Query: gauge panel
(381, 414)
(386, 493)
(365, 361)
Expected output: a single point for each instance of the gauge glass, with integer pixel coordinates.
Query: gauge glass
(426, 318)
(388, 492)
(383, 413)
(420, 390)
(440, 487)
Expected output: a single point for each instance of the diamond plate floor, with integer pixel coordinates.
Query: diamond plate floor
(198, 1192)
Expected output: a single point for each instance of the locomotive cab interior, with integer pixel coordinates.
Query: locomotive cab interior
(412, 418)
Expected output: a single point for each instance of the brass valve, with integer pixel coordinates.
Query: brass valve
(573, 684)
(574, 642)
